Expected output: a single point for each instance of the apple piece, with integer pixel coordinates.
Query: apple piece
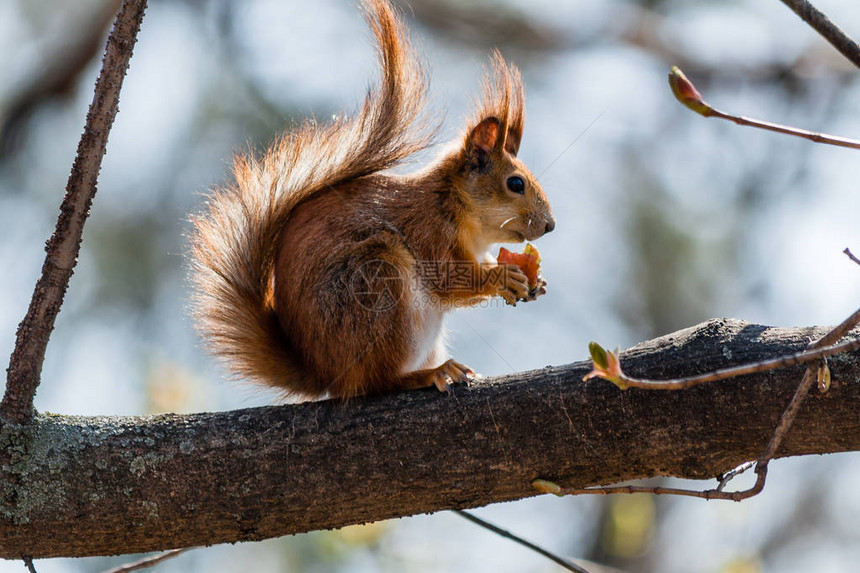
(528, 261)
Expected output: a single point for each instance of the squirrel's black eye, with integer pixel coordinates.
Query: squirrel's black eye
(516, 184)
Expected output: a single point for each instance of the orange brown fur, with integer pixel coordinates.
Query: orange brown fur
(282, 260)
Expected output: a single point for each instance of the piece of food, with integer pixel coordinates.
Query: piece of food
(528, 261)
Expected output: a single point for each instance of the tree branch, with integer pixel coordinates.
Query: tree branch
(154, 483)
(828, 30)
(25, 365)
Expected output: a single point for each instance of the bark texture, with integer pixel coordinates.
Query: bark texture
(74, 486)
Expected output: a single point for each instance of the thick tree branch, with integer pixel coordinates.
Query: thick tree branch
(142, 484)
(25, 365)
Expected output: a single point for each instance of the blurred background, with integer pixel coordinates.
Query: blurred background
(665, 219)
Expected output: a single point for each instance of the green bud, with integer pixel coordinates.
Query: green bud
(598, 355)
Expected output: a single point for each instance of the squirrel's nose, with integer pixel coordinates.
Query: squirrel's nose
(550, 225)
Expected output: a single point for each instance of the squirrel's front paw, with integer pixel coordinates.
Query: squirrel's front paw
(538, 290)
(515, 285)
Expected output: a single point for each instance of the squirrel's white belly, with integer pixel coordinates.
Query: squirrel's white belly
(429, 340)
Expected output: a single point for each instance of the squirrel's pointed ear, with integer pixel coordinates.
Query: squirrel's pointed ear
(483, 140)
(485, 135)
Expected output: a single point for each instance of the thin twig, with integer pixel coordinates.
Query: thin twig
(837, 331)
(148, 561)
(851, 256)
(788, 416)
(567, 564)
(28, 562)
(815, 136)
(824, 26)
(725, 478)
(687, 94)
(808, 355)
(25, 364)
(782, 428)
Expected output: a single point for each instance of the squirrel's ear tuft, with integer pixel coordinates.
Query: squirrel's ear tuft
(512, 141)
(503, 100)
(516, 119)
(484, 139)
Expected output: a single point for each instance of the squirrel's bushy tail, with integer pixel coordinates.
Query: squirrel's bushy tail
(233, 240)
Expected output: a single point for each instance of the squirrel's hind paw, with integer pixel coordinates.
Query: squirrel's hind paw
(449, 373)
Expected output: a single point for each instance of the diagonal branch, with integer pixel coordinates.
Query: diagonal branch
(824, 26)
(25, 364)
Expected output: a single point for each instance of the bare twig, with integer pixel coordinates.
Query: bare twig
(837, 331)
(782, 428)
(687, 94)
(725, 478)
(622, 380)
(851, 256)
(544, 486)
(815, 136)
(25, 365)
(787, 418)
(148, 561)
(830, 31)
(565, 563)
(28, 562)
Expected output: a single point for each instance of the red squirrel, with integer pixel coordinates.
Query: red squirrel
(320, 272)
